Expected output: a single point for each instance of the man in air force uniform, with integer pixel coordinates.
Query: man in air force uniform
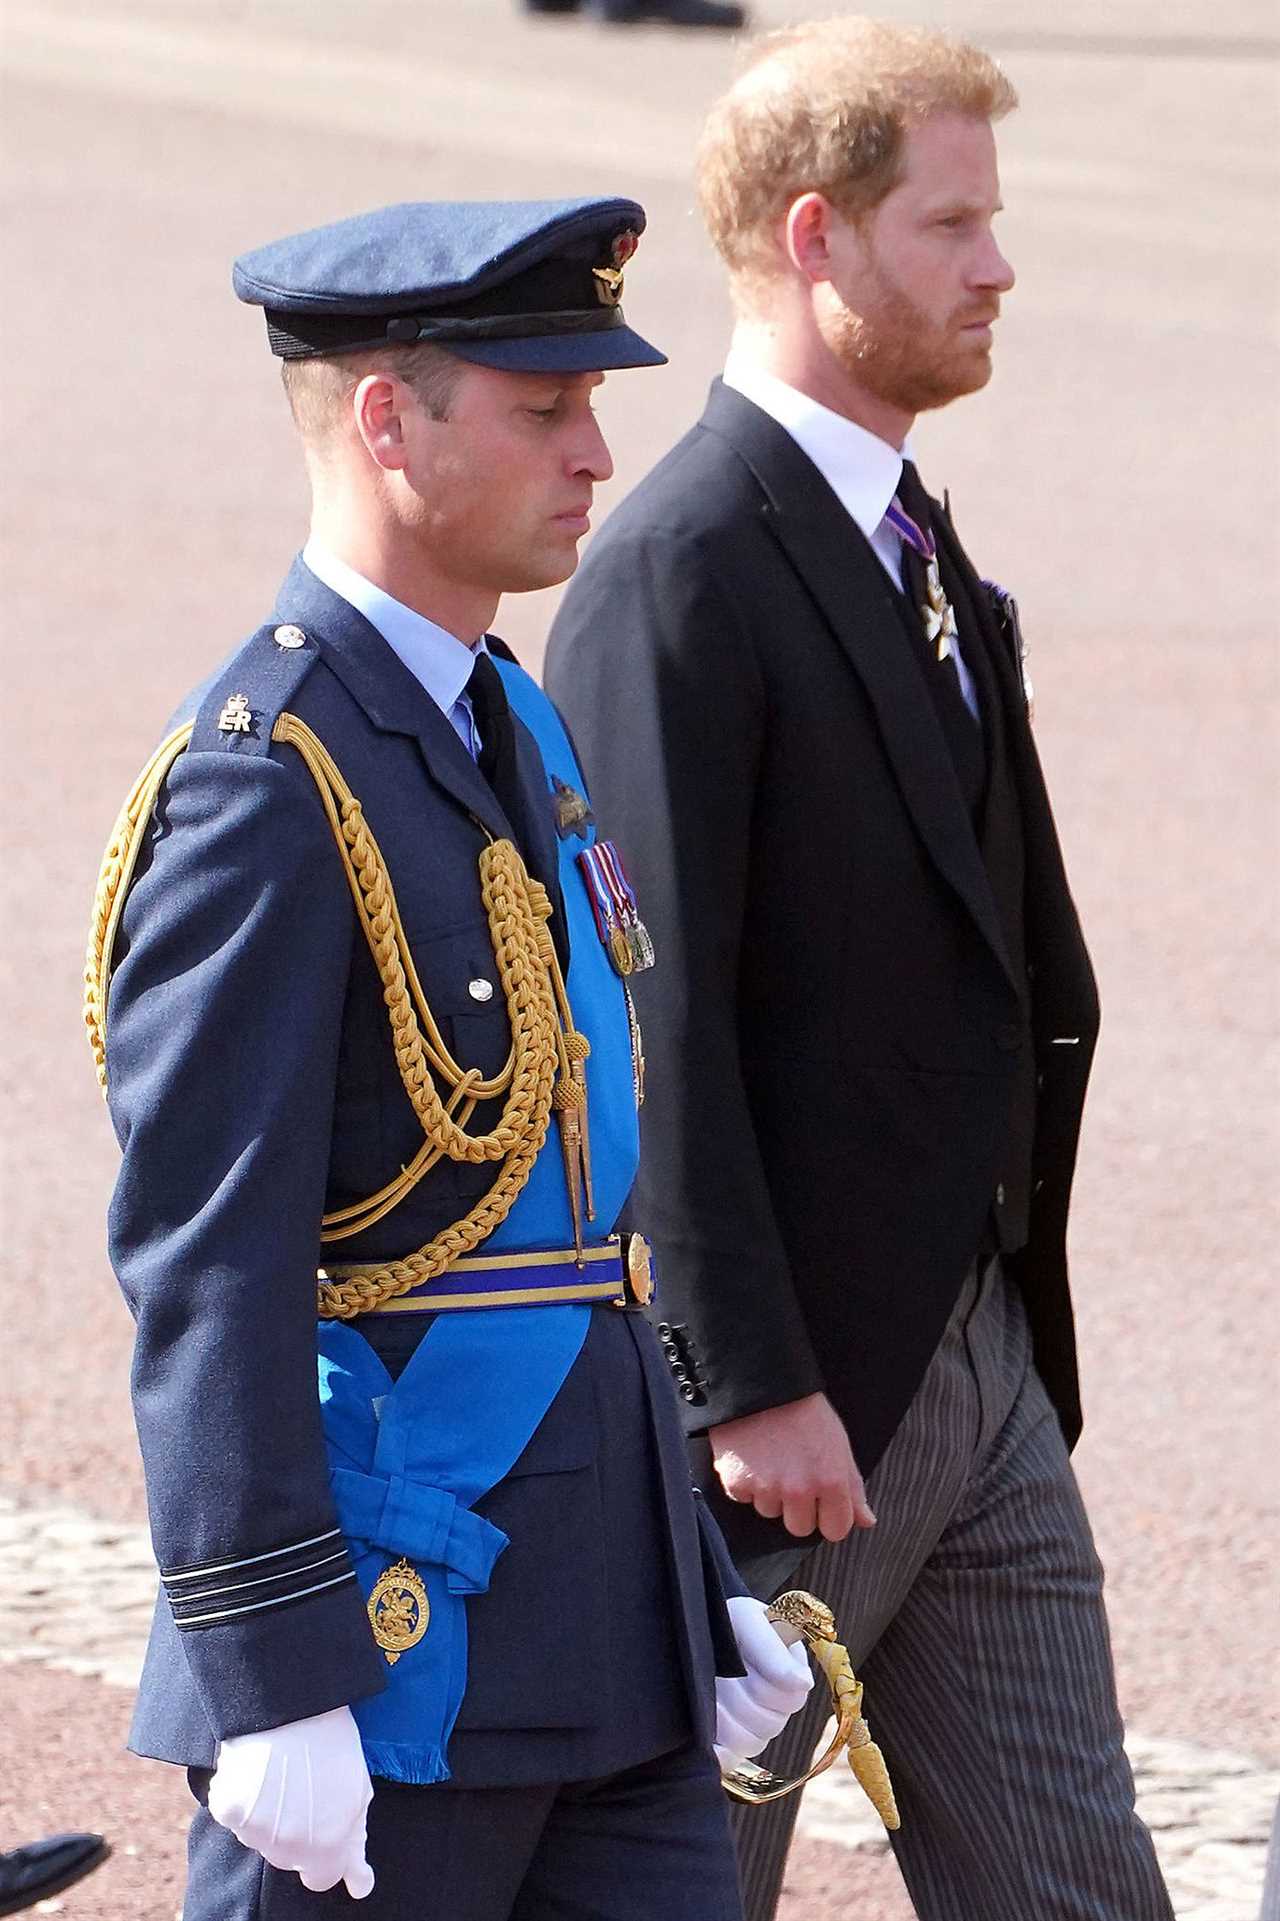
(369, 1051)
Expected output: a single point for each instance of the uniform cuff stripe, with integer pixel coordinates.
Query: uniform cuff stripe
(190, 1599)
(261, 1607)
(201, 1570)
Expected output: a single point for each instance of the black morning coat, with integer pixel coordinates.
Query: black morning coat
(834, 1032)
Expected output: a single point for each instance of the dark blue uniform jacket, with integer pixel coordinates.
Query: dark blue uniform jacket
(253, 1088)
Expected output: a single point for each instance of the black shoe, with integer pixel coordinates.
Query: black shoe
(551, 6)
(672, 13)
(33, 1873)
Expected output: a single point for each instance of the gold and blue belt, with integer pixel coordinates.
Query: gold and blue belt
(619, 1272)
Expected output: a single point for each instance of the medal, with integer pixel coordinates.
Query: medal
(641, 947)
(937, 612)
(624, 899)
(612, 934)
(939, 615)
(623, 934)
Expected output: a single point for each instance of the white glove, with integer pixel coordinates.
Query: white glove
(753, 1708)
(299, 1796)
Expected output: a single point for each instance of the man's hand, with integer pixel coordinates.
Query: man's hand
(750, 1711)
(299, 1796)
(794, 1463)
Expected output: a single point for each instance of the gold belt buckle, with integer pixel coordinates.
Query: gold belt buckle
(637, 1273)
(811, 1620)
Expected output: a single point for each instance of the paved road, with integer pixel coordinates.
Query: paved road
(76, 1596)
(152, 495)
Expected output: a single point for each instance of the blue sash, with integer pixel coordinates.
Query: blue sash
(599, 1009)
(407, 1463)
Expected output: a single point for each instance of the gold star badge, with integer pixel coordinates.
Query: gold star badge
(939, 615)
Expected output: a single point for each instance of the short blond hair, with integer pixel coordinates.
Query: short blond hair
(825, 108)
(320, 387)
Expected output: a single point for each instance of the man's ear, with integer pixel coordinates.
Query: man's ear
(807, 235)
(379, 405)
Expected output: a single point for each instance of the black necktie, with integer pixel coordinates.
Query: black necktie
(498, 762)
(497, 756)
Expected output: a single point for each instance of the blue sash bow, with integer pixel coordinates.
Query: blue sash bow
(407, 1463)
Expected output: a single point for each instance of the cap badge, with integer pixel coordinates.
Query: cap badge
(236, 717)
(609, 279)
(608, 285)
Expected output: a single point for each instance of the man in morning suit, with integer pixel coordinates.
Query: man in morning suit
(439, 1617)
(807, 722)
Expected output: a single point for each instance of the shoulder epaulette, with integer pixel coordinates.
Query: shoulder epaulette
(242, 704)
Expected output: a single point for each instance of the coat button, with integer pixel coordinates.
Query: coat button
(999, 1193)
(480, 990)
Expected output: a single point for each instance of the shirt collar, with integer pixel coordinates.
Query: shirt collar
(861, 470)
(437, 659)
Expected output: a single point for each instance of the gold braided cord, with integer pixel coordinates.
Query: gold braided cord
(343, 1222)
(116, 872)
(536, 1002)
(364, 865)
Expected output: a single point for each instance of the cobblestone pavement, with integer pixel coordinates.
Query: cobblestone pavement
(77, 1593)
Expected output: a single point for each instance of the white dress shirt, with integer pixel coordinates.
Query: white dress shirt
(861, 470)
(437, 659)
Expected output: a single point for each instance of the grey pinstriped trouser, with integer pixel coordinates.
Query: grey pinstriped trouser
(973, 1613)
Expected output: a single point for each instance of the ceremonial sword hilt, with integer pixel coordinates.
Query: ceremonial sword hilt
(802, 1617)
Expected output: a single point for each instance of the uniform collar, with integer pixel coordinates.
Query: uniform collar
(861, 470)
(437, 659)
